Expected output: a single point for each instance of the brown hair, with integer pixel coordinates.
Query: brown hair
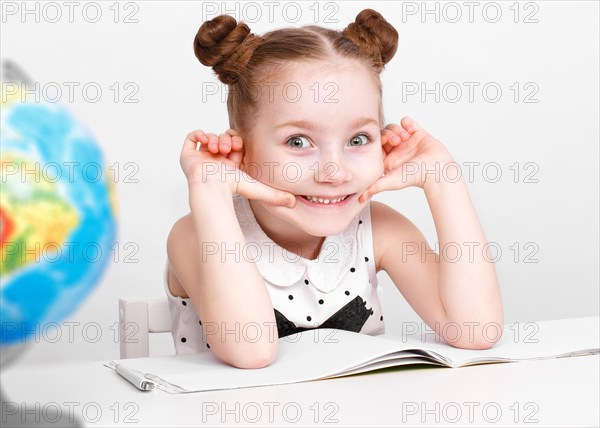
(243, 60)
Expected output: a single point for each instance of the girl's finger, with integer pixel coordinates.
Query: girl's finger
(390, 138)
(410, 125)
(384, 136)
(213, 143)
(254, 189)
(224, 144)
(391, 181)
(395, 160)
(390, 135)
(236, 140)
(399, 131)
(195, 137)
(236, 143)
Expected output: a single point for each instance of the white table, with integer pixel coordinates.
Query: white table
(559, 392)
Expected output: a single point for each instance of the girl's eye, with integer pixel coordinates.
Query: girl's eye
(360, 140)
(296, 142)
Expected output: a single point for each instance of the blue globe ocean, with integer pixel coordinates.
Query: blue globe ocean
(57, 215)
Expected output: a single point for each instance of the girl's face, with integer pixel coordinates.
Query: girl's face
(317, 134)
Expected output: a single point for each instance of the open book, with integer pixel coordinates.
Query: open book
(329, 353)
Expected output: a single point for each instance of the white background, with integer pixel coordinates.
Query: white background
(554, 221)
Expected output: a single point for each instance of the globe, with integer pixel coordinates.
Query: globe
(57, 212)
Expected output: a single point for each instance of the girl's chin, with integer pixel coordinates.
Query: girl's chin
(324, 228)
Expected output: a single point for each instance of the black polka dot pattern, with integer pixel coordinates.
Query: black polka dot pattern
(321, 301)
(183, 340)
(184, 303)
(347, 293)
(207, 345)
(306, 281)
(359, 221)
(352, 269)
(381, 318)
(291, 297)
(308, 318)
(366, 259)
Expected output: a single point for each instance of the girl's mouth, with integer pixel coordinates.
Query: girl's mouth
(326, 202)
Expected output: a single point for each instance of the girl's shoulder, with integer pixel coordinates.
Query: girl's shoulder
(391, 231)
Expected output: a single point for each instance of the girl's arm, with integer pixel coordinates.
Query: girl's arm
(456, 292)
(468, 284)
(205, 255)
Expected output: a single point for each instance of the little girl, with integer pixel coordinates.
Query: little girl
(282, 236)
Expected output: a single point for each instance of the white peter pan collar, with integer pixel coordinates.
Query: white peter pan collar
(284, 269)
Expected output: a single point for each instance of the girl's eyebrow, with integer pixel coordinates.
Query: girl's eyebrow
(304, 124)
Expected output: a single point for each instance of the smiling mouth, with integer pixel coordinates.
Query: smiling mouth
(325, 201)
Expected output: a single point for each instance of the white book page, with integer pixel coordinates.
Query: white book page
(520, 341)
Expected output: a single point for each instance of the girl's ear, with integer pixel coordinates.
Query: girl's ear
(232, 132)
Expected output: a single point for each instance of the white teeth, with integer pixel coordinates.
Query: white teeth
(326, 201)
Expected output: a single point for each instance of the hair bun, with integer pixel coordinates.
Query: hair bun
(373, 35)
(226, 46)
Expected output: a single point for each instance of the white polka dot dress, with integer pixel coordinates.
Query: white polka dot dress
(338, 289)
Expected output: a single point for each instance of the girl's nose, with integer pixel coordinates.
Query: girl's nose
(332, 169)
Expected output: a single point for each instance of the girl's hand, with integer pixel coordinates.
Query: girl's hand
(228, 144)
(209, 159)
(412, 158)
